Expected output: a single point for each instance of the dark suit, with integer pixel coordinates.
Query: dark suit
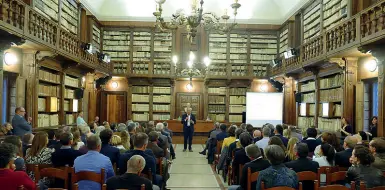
(239, 158)
(284, 139)
(150, 161)
(255, 166)
(188, 131)
(20, 126)
(301, 165)
(111, 152)
(128, 181)
(312, 143)
(55, 145)
(64, 156)
(342, 158)
(158, 152)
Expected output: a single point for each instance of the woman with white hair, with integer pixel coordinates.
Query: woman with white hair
(99, 129)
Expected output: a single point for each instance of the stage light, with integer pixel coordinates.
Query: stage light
(192, 56)
(10, 58)
(263, 88)
(189, 64)
(88, 47)
(371, 65)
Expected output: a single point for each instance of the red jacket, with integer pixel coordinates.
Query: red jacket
(12, 180)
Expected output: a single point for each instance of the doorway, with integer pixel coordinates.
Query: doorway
(113, 107)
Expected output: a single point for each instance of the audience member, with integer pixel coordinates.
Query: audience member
(212, 135)
(277, 175)
(326, 158)
(51, 137)
(163, 140)
(66, 155)
(266, 137)
(167, 129)
(291, 154)
(302, 163)
(329, 138)
(10, 179)
(20, 125)
(286, 133)
(257, 135)
(93, 161)
(122, 127)
(131, 179)
(77, 141)
(240, 156)
(278, 132)
(235, 145)
(223, 134)
(19, 161)
(152, 145)
(359, 139)
(294, 133)
(342, 158)
(346, 128)
(277, 141)
(107, 150)
(116, 141)
(227, 141)
(377, 148)
(56, 144)
(27, 142)
(99, 129)
(125, 137)
(250, 129)
(80, 120)
(96, 120)
(6, 129)
(311, 140)
(373, 126)
(361, 171)
(131, 131)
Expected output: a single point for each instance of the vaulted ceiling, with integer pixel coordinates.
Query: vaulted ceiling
(251, 11)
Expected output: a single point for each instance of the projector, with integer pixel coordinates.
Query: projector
(104, 57)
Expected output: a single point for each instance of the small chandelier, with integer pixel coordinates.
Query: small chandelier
(190, 71)
(195, 18)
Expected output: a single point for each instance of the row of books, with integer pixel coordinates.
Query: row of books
(96, 37)
(68, 93)
(306, 122)
(140, 98)
(48, 76)
(141, 107)
(162, 98)
(237, 56)
(140, 89)
(161, 90)
(66, 105)
(217, 109)
(219, 90)
(237, 108)
(308, 86)
(46, 120)
(337, 110)
(41, 104)
(69, 15)
(334, 81)
(162, 68)
(237, 91)
(161, 116)
(70, 119)
(235, 118)
(161, 107)
(140, 117)
(329, 124)
(239, 72)
(308, 98)
(237, 99)
(70, 81)
(45, 90)
(332, 95)
(219, 69)
(48, 8)
(217, 99)
(262, 57)
(216, 117)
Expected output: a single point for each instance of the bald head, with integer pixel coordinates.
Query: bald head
(257, 133)
(136, 164)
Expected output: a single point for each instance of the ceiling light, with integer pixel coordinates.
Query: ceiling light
(371, 65)
(207, 61)
(263, 88)
(114, 84)
(10, 58)
(189, 63)
(175, 59)
(189, 86)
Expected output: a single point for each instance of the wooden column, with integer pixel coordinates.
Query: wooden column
(289, 102)
(28, 96)
(349, 92)
(91, 94)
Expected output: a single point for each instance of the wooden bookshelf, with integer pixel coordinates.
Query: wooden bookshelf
(161, 103)
(306, 108)
(96, 37)
(117, 44)
(71, 103)
(312, 21)
(283, 40)
(334, 12)
(218, 46)
(140, 106)
(239, 48)
(69, 16)
(217, 103)
(141, 48)
(237, 104)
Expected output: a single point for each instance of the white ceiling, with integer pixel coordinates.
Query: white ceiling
(250, 12)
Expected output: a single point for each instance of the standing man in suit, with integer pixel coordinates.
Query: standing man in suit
(188, 121)
(20, 125)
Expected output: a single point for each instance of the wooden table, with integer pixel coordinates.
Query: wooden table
(200, 127)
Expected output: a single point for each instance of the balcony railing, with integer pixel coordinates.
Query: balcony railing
(19, 18)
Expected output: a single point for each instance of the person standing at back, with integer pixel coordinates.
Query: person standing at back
(188, 121)
(20, 125)
(80, 120)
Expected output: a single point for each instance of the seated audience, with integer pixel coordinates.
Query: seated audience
(153, 145)
(377, 148)
(286, 133)
(140, 145)
(116, 141)
(125, 137)
(223, 134)
(294, 133)
(122, 127)
(235, 145)
(131, 179)
(361, 169)
(6, 129)
(56, 144)
(212, 134)
(27, 142)
(311, 140)
(278, 132)
(51, 137)
(163, 140)
(131, 131)
(77, 141)
(169, 132)
(291, 154)
(227, 141)
(19, 162)
(107, 150)
(329, 138)
(93, 161)
(99, 129)
(167, 129)
(266, 138)
(257, 135)
(250, 129)
(10, 179)
(66, 155)
(240, 156)
(39, 154)
(86, 132)
(302, 163)
(342, 158)
(277, 175)
(326, 158)
(274, 140)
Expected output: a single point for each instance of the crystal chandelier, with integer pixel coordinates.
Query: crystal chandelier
(190, 71)
(191, 20)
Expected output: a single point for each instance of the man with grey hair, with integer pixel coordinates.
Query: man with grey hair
(266, 137)
(212, 135)
(131, 179)
(163, 140)
(256, 164)
(93, 161)
(122, 127)
(342, 158)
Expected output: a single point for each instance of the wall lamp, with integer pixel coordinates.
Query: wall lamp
(10, 58)
(114, 84)
(371, 65)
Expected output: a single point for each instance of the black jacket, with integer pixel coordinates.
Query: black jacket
(111, 152)
(240, 157)
(62, 157)
(372, 177)
(255, 166)
(342, 158)
(128, 181)
(302, 165)
(158, 152)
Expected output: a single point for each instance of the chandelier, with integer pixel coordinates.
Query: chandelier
(191, 20)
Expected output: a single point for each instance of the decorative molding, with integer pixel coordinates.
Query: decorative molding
(41, 55)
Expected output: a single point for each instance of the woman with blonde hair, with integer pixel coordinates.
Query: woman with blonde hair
(116, 141)
(77, 143)
(287, 133)
(125, 138)
(290, 154)
(6, 129)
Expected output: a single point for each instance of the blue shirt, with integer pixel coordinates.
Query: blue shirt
(80, 121)
(93, 161)
(263, 142)
(221, 136)
(277, 176)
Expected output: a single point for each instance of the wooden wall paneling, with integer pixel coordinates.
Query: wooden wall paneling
(151, 103)
(1, 86)
(289, 102)
(85, 26)
(27, 81)
(196, 101)
(349, 95)
(61, 108)
(129, 102)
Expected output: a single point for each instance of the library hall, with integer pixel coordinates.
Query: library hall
(192, 95)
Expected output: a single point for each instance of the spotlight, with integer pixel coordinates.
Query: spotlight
(104, 57)
(10, 58)
(263, 88)
(189, 86)
(371, 65)
(275, 62)
(290, 53)
(88, 47)
(114, 84)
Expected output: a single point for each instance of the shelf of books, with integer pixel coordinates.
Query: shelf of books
(96, 37)
(218, 48)
(217, 103)
(307, 106)
(312, 21)
(217, 70)
(334, 12)
(263, 49)
(239, 70)
(117, 45)
(161, 103)
(140, 103)
(71, 103)
(70, 16)
(239, 48)
(162, 53)
(48, 8)
(237, 104)
(48, 97)
(141, 49)
(260, 70)
(283, 40)
(140, 68)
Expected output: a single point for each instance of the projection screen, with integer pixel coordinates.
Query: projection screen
(262, 108)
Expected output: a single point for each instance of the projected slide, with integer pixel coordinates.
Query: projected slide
(262, 108)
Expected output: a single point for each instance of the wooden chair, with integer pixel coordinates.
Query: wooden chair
(251, 178)
(53, 173)
(35, 169)
(160, 165)
(306, 176)
(217, 154)
(90, 176)
(335, 176)
(342, 168)
(335, 187)
(76, 187)
(230, 171)
(363, 187)
(275, 188)
(322, 170)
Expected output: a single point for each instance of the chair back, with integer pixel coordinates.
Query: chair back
(53, 173)
(276, 188)
(251, 178)
(219, 147)
(147, 174)
(306, 176)
(322, 170)
(335, 187)
(35, 169)
(76, 187)
(240, 172)
(90, 176)
(160, 165)
(335, 176)
(363, 187)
